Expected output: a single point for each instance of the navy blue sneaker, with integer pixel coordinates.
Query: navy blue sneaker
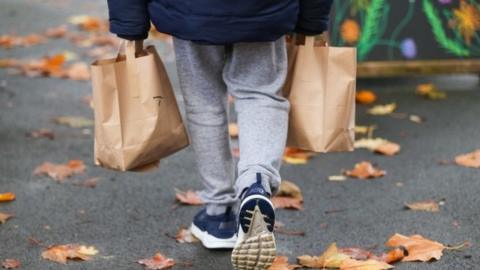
(255, 247)
(215, 232)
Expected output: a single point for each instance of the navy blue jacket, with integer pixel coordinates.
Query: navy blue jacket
(219, 21)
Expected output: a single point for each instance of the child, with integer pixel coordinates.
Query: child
(234, 47)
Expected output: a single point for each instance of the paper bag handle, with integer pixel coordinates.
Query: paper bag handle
(133, 74)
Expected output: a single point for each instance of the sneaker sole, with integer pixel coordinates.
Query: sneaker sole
(255, 249)
(212, 242)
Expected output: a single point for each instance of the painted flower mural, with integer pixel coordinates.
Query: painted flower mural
(408, 48)
(350, 31)
(467, 20)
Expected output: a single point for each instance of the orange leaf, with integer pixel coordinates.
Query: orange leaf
(157, 262)
(4, 217)
(419, 248)
(289, 189)
(281, 263)
(429, 206)
(6, 197)
(331, 258)
(297, 156)
(357, 253)
(366, 97)
(393, 255)
(78, 72)
(60, 253)
(365, 170)
(189, 197)
(470, 160)
(56, 32)
(351, 264)
(388, 148)
(287, 202)
(11, 264)
(185, 236)
(59, 172)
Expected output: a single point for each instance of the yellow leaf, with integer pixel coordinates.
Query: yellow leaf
(331, 258)
(383, 109)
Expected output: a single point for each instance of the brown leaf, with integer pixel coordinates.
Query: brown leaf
(388, 148)
(297, 156)
(351, 264)
(74, 121)
(357, 253)
(78, 72)
(281, 263)
(392, 256)
(4, 217)
(233, 130)
(419, 248)
(90, 182)
(11, 264)
(365, 170)
(331, 258)
(378, 145)
(56, 32)
(429, 206)
(8, 63)
(188, 197)
(7, 197)
(365, 97)
(157, 262)
(10, 41)
(59, 172)
(60, 253)
(287, 202)
(470, 160)
(43, 132)
(289, 189)
(185, 236)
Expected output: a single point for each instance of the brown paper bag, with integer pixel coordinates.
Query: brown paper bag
(137, 120)
(321, 89)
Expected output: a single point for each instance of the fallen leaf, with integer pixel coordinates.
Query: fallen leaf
(419, 248)
(365, 170)
(60, 253)
(7, 197)
(157, 262)
(59, 172)
(357, 253)
(351, 264)
(233, 130)
(11, 264)
(365, 129)
(56, 32)
(10, 41)
(430, 91)
(297, 156)
(470, 160)
(388, 148)
(416, 119)
(378, 145)
(4, 217)
(281, 263)
(90, 182)
(429, 206)
(392, 256)
(78, 72)
(185, 236)
(287, 202)
(289, 189)
(337, 178)
(331, 258)
(89, 23)
(383, 109)
(8, 63)
(365, 97)
(189, 197)
(74, 121)
(43, 132)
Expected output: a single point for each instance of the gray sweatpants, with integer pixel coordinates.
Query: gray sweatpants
(253, 73)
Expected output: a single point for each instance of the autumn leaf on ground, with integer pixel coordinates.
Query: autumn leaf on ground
(331, 258)
(59, 172)
(60, 253)
(351, 264)
(288, 196)
(90, 182)
(392, 256)
(382, 109)
(157, 262)
(430, 91)
(185, 236)
(4, 217)
(429, 206)
(74, 121)
(78, 71)
(11, 263)
(365, 97)
(189, 197)
(357, 253)
(56, 32)
(337, 178)
(9, 41)
(7, 197)
(365, 129)
(365, 170)
(297, 156)
(470, 160)
(43, 132)
(281, 263)
(416, 119)
(419, 248)
(378, 145)
(233, 130)
(89, 23)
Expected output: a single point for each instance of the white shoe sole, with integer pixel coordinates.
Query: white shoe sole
(255, 249)
(212, 242)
